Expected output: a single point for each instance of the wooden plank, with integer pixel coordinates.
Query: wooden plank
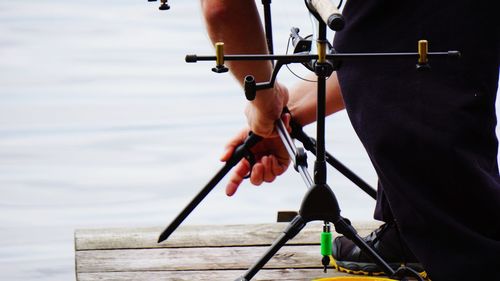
(199, 236)
(194, 259)
(211, 252)
(265, 274)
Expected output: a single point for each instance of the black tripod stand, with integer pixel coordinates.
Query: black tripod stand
(319, 203)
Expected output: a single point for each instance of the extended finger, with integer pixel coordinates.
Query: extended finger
(239, 173)
(279, 168)
(286, 118)
(269, 175)
(257, 176)
(228, 151)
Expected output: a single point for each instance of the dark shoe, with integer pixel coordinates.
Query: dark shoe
(385, 241)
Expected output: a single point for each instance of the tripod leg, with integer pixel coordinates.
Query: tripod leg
(310, 144)
(295, 226)
(342, 227)
(194, 202)
(240, 152)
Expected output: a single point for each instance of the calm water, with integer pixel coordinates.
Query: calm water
(102, 124)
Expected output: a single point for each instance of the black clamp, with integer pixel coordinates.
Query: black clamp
(300, 158)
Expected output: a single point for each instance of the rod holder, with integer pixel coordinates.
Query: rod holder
(219, 58)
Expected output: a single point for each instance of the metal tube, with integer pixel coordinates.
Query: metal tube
(268, 25)
(320, 164)
(305, 58)
(292, 152)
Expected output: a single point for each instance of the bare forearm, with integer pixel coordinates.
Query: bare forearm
(238, 25)
(303, 100)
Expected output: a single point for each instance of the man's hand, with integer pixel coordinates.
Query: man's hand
(267, 107)
(271, 160)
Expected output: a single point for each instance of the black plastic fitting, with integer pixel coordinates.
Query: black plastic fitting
(220, 69)
(250, 87)
(336, 22)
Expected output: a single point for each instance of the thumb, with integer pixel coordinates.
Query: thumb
(232, 144)
(228, 151)
(287, 118)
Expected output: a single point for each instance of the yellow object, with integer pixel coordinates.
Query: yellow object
(354, 278)
(333, 264)
(321, 46)
(423, 50)
(219, 53)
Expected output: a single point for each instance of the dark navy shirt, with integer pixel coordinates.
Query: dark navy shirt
(430, 134)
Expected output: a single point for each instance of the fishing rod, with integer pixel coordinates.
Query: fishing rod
(319, 202)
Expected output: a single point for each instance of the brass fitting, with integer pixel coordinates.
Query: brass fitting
(219, 58)
(321, 46)
(219, 53)
(423, 50)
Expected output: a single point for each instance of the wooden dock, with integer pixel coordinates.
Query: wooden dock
(211, 252)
